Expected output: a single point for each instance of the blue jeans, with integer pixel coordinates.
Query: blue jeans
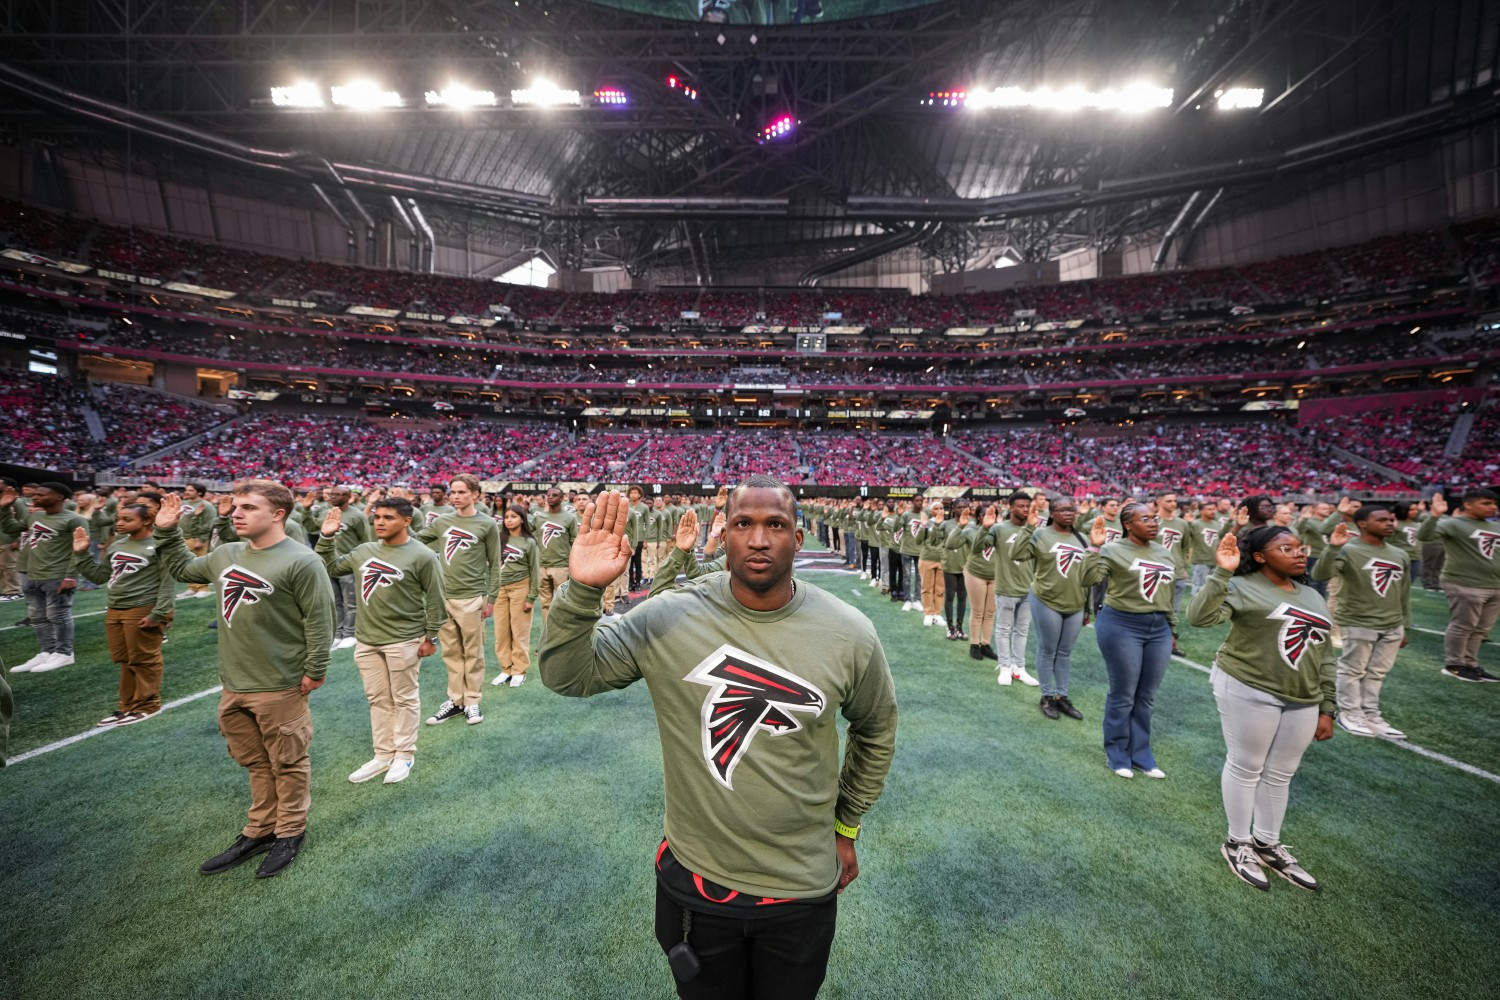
(1136, 650)
(913, 579)
(1055, 635)
(53, 609)
(851, 550)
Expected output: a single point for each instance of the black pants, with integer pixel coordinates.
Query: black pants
(783, 957)
(897, 567)
(635, 567)
(872, 557)
(955, 600)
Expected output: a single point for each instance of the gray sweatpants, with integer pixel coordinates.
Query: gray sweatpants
(1012, 626)
(1472, 612)
(1264, 739)
(1367, 657)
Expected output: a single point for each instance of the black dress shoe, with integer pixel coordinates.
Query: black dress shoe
(283, 853)
(1066, 707)
(244, 849)
(975, 654)
(988, 652)
(1048, 706)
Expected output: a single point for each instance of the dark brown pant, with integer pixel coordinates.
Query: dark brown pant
(270, 734)
(138, 652)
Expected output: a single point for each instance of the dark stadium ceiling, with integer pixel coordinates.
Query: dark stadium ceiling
(181, 88)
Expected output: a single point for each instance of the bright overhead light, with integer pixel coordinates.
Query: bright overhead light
(1137, 97)
(1236, 98)
(298, 95)
(459, 96)
(362, 95)
(543, 94)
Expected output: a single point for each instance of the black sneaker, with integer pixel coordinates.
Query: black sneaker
(1277, 858)
(988, 652)
(1066, 707)
(1048, 706)
(283, 853)
(244, 849)
(447, 710)
(1463, 673)
(1245, 863)
(1486, 676)
(975, 654)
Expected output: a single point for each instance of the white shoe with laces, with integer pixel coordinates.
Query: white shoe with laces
(29, 665)
(1382, 728)
(501, 680)
(347, 642)
(1154, 772)
(1003, 678)
(54, 661)
(1124, 772)
(1351, 723)
(398, 772)
(369, 769)
(516, 680)
(1020, 674)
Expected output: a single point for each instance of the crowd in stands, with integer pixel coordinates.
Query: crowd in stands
(1028, 456)
(45, 425)
(675, 458)
(137, 422)
(760, 452)
(1410, 440)
(1480, 461)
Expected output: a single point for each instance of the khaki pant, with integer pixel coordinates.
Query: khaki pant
(10, 583)
(198, 547)
(390, 674)
(138, 652)
(981, 608)
(270, 733)
(553, 577)
(930, 572)
(462, 638)
(656, 553)
(1335, 584)
(1367, 657)
(620, 588)
(1472, 612)
(513, 629)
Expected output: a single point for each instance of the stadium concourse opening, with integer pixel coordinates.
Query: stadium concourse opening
(1043, 461)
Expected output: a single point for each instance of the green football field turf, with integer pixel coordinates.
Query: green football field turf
(1003, 859)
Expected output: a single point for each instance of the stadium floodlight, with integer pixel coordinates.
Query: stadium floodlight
(612, 96)
(363, 95)
(1136, 97)
(1237, 98)
(458, 96)
(298, 95)
(544, 94)
(779, 127)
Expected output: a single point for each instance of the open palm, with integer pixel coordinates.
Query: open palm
(601, 553)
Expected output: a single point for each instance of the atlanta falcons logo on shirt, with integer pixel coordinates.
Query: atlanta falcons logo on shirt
(41, 533)
(989, 551)
(430, 518)
(455, 540)
(375, 574)
(1301, 631)
(1169, 538)
(1486, 539)
(551, 532)
(1383, 573)
(1210, 537)
(238, 587)
(1411, 535)
(1112, 534)
(748, 695)
(512, 553)
(1152, 575)
(1068, 556)
(915, 527)
(124, 564)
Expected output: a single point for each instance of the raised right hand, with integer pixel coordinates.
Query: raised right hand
(1339, 535)
(8, 496)
(1227, 555)
(331, 522)
(80, 539)
(1438, 508)
(171, 511)
(687, 531)
(601, 552)
(225, 504)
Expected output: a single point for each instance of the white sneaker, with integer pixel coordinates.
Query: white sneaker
(501, 680)
(516, 680)
(53, 662)
(398, 771)
(29, 665)
(906, 605)
(1383, 728)
(369, 769)
(346, 643)
(1155, 772)
(874, 582)
(1003, 678)
(334, 645)
(1354, 724)
(1021, 675)
(1124, 772)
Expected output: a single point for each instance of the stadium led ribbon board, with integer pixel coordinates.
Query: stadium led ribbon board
(734, 12)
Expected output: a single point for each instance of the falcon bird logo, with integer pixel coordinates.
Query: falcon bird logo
(748, 695)
(41, 533)
(915, 527)
(375, 574)
(1301, 631)
(455, 540)
(989, 552)
(551, 532)
(123, 564)
(1411, 536)
(1112, 534)
(238, 587)
(430, 518)
(1486, 539)
(1152, 574)
(512, 553)
(1068, 556)
(1383, 573)
(1169, 538)
(1210, 537)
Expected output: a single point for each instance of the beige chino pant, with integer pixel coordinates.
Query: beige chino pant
(462, 638)
(389, 674)
(981, 608)
(931, 573)
(553, 577)
(513, 629)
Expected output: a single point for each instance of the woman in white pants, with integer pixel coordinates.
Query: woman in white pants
(1273, 679)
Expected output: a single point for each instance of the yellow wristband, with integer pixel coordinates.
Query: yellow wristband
(844, 830)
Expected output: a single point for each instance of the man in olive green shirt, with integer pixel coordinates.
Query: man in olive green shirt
(46, 533)
(745, 669)
(1470, 577)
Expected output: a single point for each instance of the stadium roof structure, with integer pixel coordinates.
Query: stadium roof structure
(678, 174)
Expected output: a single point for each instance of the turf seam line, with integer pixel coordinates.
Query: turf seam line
(1438, 631)
(1404, 744)
(97, 730)
(83, 614)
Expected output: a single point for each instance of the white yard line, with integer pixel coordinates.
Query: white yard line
(1438, 631)
(104, 729)
(84, 614)
(1404, 744)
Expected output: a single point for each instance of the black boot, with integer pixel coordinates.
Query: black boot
(283, 853)
(1049, 706)
(988, 652)
(243, 850)
(975, 654)
(1066, 707)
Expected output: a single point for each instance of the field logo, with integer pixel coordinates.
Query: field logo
(1383, 573)
(238, 587)
(455, 540)
(122, 564)
(1301, 631)
(375, 574)
(748, 695)
(1152, 575)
